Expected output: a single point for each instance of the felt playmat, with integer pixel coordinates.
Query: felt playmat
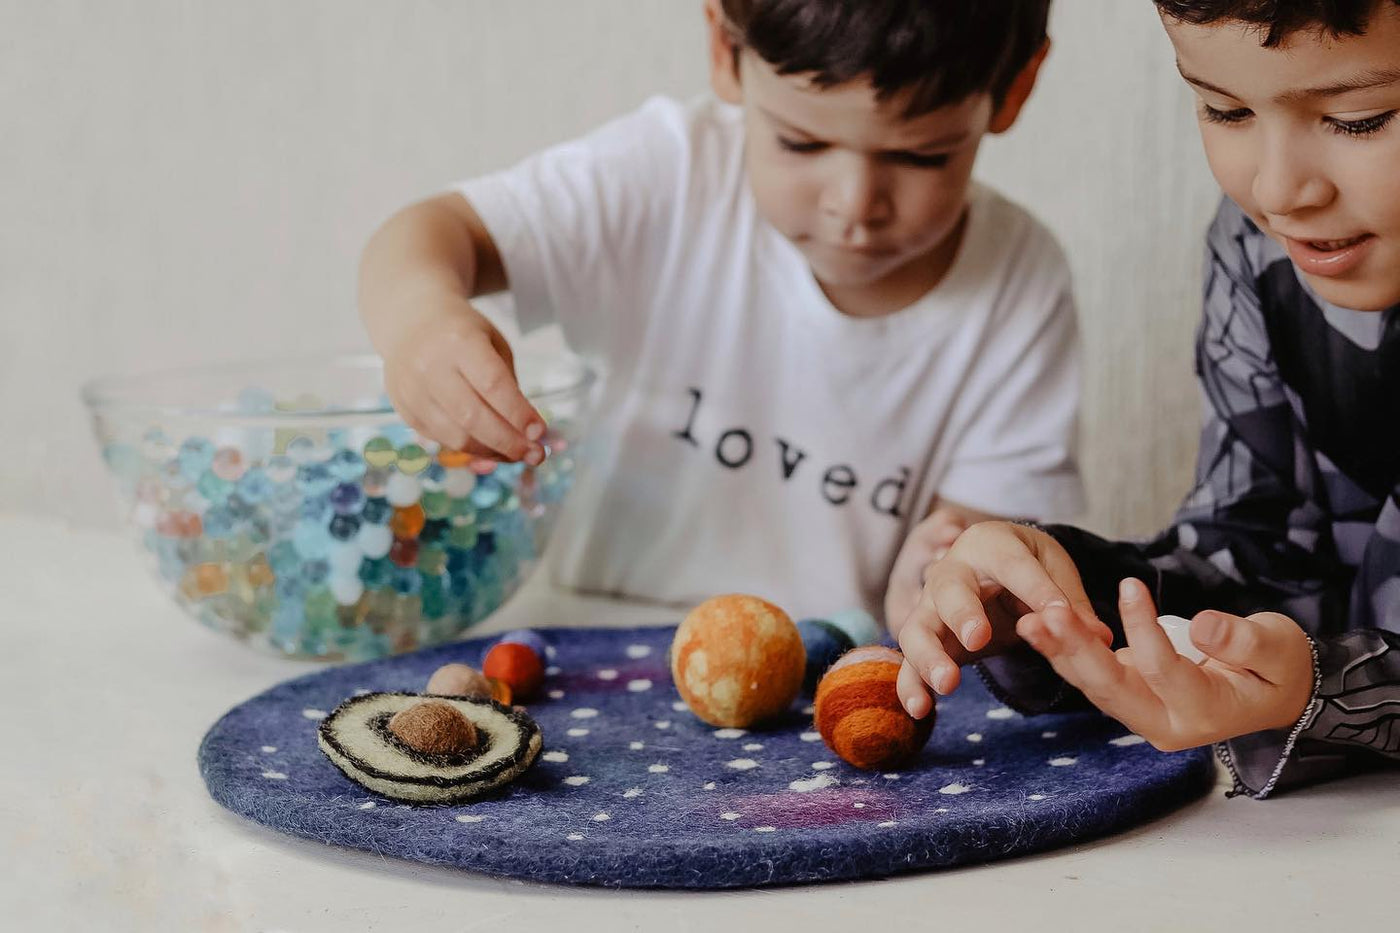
(632, 790)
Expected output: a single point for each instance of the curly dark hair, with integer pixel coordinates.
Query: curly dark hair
(939, 51)
(1278, 19)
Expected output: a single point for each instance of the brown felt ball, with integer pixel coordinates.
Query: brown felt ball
(859, 715)
(459, 680)
(434, 728)
(517, 666)
(737, 660)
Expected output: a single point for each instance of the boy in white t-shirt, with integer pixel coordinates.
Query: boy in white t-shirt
(826, 350)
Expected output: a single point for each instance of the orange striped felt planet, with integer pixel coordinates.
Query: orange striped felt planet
(858, 711)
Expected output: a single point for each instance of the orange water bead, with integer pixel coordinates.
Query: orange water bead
(180, 524)
(453, 459)
(859, 715)
(517, 666)
(407, 521)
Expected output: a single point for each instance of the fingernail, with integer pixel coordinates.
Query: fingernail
(535, 456)
(1128, 590)
(943, 677)
(1056, 602)
(966, 629)
(534, 431)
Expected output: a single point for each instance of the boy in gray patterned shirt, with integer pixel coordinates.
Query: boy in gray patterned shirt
(1287, 552)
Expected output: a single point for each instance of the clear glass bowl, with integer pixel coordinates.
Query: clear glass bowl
(286, 504)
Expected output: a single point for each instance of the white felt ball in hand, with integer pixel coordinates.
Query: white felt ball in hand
(1179, 631)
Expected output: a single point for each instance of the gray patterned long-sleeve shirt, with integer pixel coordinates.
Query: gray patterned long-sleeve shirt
(1296, 509)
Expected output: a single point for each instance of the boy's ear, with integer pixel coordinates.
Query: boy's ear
(1018, 92)
(724, 62)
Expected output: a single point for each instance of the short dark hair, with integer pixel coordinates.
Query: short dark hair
(939, 51)
(1278, 19)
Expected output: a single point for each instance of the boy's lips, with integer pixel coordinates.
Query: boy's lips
(1328, 258)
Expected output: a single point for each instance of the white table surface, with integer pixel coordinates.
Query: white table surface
(106, 825)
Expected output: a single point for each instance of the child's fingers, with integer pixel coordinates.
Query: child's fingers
(483, 424)
(1022, 572)
(952, 595)
(1065, 576)
(424, 415)
(1165, 671)
(1266, 644)
(494, 380)
(1081, 659)
(912, 692)
(930, 659)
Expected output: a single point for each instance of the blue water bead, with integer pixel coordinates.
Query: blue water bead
(487, 493)
(282, 557)
(312, 539)
(219, 522)
(344, 527)
(375, 571)
(406, 580)
(347, 466)
(824, 643)
(315, 479)
(316, 509)
(347, 498)
(337, 437)
(301, 450)
(287, 621)
(195, 456)
(398, 433)
(858, 624)
(316, 571)
(376, 510)
(255, 485)
(432, 476)
(280, 469)
(241, 509)
(509, 472)
(213, 487)
(291, 588)
(434, 530)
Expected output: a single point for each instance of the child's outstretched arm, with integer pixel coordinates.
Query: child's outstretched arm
(447, 369)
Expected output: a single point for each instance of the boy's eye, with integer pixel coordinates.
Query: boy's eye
(1366, 126)
(921, 160)
(1227, 117)
(793, 145)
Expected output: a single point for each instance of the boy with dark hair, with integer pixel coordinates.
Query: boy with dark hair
(1287, 552)
(817, 331)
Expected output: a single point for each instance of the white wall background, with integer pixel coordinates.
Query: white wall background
(188, 182)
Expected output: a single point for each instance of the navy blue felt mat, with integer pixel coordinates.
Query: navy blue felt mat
(633, 791)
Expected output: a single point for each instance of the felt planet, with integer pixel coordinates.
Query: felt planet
(358, 739)
(737, 660)
(859, 715)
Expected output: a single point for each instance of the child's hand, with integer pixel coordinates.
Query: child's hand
(927, 543)
(452, 378)
(995, 573)
(1258, 673)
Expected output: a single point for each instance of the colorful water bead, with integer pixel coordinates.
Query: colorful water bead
(737, 660)
(380, 452)
(859, 715)
(227, 464)
(412, 459)
(407, 521)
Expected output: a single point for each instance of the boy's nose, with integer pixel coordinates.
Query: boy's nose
(1287, 180)
(856, 197)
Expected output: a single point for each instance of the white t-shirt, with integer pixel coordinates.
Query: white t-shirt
(751, 437)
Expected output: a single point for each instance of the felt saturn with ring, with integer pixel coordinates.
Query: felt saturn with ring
(429, 749)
